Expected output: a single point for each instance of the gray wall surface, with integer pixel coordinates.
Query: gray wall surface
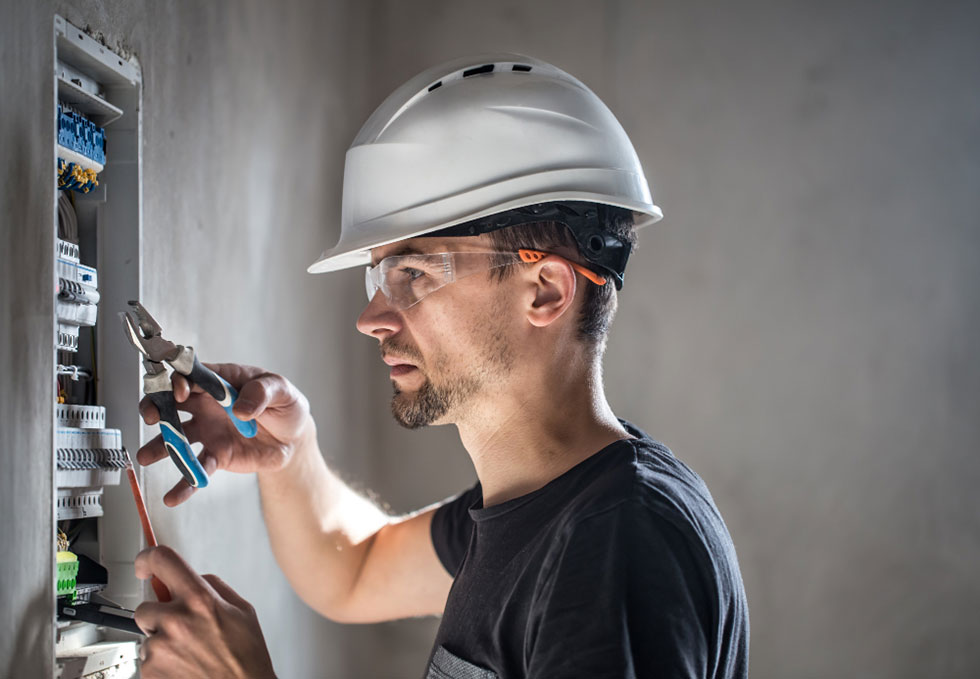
(800, 329)
(247, 112)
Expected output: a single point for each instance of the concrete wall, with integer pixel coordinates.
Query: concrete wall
(248, 108)
(800, 328)
(26, 308)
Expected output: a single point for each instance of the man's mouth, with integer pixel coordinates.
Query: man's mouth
(398, 366)
(403, 369)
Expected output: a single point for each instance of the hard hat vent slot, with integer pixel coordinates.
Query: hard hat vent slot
(521, 67)
(435, 86)
(478, 70)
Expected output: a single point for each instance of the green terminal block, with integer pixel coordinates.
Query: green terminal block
(67, 573)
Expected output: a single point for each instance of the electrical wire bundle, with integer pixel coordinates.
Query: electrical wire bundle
(72, 177)
(67, 220)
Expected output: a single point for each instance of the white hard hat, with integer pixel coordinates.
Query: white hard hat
(476, 137)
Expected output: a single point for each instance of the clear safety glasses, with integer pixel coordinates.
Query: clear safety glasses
(406, 279)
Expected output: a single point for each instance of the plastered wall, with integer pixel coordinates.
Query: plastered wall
(800, 328)
(248, 108)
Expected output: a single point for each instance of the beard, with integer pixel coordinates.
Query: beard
(439, 397)
(430, 403)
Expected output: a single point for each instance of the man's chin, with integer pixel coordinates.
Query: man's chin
(414, 409)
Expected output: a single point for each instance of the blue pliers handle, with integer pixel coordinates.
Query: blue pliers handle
(216, 386)
(175, 441)
(145, 334)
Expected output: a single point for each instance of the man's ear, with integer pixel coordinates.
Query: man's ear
(553, 289)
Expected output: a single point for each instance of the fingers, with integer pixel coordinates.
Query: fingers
(235, 374)
(179, 494)
(146, 653)
(258, 391)
(149, 615)
(173, 571)
(154, 451)
(226, 592)
(182, 491)
(182, 388)
(148, 411)
(261, 393)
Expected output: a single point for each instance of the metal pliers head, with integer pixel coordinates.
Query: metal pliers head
(145, 334)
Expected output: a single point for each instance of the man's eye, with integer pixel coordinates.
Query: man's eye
(410, 273)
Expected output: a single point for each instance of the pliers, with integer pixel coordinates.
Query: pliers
(145, 334)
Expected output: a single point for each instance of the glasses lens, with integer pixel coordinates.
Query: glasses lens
(409, 278)
(369, 285)
(406, 279)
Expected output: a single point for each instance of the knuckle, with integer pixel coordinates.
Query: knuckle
(139, 617)
(177, 626)
(300, 399)
(162, 552)
(202, 604)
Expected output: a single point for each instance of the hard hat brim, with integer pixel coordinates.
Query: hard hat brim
(357, 252)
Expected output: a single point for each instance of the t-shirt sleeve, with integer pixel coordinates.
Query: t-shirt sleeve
(452, 528)
(624, 596)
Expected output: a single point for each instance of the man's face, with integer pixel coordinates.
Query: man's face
(448, 350)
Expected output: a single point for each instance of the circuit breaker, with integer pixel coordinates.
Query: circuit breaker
(96, 377)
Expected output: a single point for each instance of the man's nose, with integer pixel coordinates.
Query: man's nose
(379, 319)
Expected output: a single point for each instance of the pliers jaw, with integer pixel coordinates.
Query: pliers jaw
(144, 332)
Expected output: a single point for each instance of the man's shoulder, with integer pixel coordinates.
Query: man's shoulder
(639, 475)
(638, 492)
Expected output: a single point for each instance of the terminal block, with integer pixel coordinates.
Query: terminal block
(67, 338)
(88, 458)
(81, 150)
(78, 295)
(79, 134)
(79, 503)
(68, 251)
(80, 417)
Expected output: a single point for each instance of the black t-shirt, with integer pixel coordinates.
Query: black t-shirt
(620, 567)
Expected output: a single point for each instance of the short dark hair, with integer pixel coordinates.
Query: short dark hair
(599, 305)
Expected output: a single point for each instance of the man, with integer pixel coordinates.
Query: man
(494, 202)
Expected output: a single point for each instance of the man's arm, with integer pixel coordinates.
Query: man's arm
(343, 555)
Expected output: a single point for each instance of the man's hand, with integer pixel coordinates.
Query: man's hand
(207, 630)
(281, 411)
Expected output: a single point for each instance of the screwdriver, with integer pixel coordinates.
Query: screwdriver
(160, 589)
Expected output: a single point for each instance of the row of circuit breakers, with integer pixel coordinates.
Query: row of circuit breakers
(88, 455)
(92, 84)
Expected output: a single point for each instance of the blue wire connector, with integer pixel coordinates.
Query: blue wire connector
(78, 133)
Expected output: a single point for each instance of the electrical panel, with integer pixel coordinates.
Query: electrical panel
(95, 381)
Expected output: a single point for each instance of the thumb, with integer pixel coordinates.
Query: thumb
(261, 393)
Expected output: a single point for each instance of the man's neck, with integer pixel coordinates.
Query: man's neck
(522, 439)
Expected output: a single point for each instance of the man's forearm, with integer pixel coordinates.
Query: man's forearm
(320, 529)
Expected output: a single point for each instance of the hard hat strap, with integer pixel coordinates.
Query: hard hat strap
(585, 220)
